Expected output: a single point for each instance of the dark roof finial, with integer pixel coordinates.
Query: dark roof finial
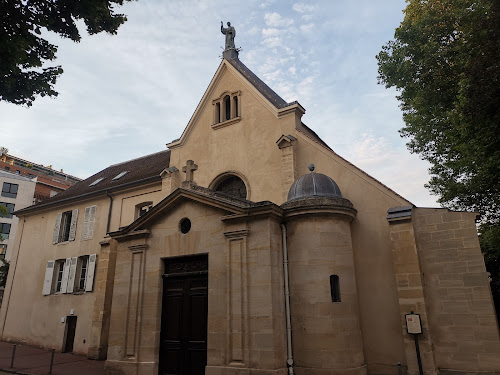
(311, 167)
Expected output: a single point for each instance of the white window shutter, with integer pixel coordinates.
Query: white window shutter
(89, 283)
(65, 276)
(49, 273)
(72, 228)
(90, 233)
(72, 274)
(57, 228)
(86, 218)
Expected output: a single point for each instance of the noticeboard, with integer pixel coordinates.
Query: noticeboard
(413, 324)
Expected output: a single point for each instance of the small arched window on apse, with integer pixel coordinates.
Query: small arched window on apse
(231, 185)
(227, 108)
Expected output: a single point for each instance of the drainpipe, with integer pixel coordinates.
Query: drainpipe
(289, 359)
(109, 212)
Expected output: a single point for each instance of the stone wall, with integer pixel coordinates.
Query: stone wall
(457, 293)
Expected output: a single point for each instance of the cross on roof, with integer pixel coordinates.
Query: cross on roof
(189, 170)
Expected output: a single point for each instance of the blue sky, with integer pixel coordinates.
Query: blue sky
(128, 95)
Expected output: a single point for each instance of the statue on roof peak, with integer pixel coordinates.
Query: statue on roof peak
(230, 33)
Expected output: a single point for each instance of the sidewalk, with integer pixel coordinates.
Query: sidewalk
(29, 360)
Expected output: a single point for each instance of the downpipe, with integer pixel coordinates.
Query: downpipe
(289, 360)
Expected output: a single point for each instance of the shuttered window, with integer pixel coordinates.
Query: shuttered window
(65, 227)
(88, 223)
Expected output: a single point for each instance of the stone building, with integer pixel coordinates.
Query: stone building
(225, 254)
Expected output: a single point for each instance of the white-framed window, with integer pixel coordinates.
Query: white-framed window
(75, 274)
(65, 227)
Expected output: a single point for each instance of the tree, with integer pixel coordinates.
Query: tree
(490, 246)
(444, 61)
(23, 52)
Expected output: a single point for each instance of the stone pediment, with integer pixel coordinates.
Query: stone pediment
(231, 207)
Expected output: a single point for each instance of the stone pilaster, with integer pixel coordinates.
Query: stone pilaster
(170, 180)
(103, 289)
(288, 163)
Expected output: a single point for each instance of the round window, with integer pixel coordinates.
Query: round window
(185, 225)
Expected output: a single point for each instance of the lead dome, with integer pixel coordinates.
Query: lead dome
(313, 185)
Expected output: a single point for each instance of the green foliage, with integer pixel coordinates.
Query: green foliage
(3, 212)
(4, 270)
(23, 51)
(444, 61)
(490, 246)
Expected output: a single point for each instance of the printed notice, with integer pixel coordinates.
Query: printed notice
(413, 325)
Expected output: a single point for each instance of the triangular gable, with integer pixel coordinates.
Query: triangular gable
(231, 206)
(272, 101)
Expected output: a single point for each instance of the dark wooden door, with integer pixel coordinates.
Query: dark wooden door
(70, 334)
(183, 346)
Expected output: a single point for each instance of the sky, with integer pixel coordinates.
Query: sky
(127, 95)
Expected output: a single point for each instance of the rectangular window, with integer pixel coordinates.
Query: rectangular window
(3, 250)
(65, 225)
(5, 230)
(9, 190)
(65, 228)
(59, 275)
(88, 223)
(82, 280)
(10, 208)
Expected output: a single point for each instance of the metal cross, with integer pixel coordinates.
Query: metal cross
(189, 170)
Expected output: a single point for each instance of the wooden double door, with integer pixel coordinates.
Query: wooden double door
(183, 337)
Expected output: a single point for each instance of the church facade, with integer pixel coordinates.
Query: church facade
(229, 253)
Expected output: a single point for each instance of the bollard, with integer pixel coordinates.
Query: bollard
(400, 369)
(51, 361)
(13, 355)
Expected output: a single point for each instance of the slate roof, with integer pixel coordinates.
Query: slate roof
(264, 89)
(141, 170)
(270, 95)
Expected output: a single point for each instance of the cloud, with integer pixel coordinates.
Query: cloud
(306, 28)
(394, 167)
(303, 8)
(275, 20)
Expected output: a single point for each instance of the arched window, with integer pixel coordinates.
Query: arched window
(235, 101)
(217, 113)
(335, 288)
(142, 208)
(227, 107)
(233, 186)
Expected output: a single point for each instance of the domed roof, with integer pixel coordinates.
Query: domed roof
(313, 185)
